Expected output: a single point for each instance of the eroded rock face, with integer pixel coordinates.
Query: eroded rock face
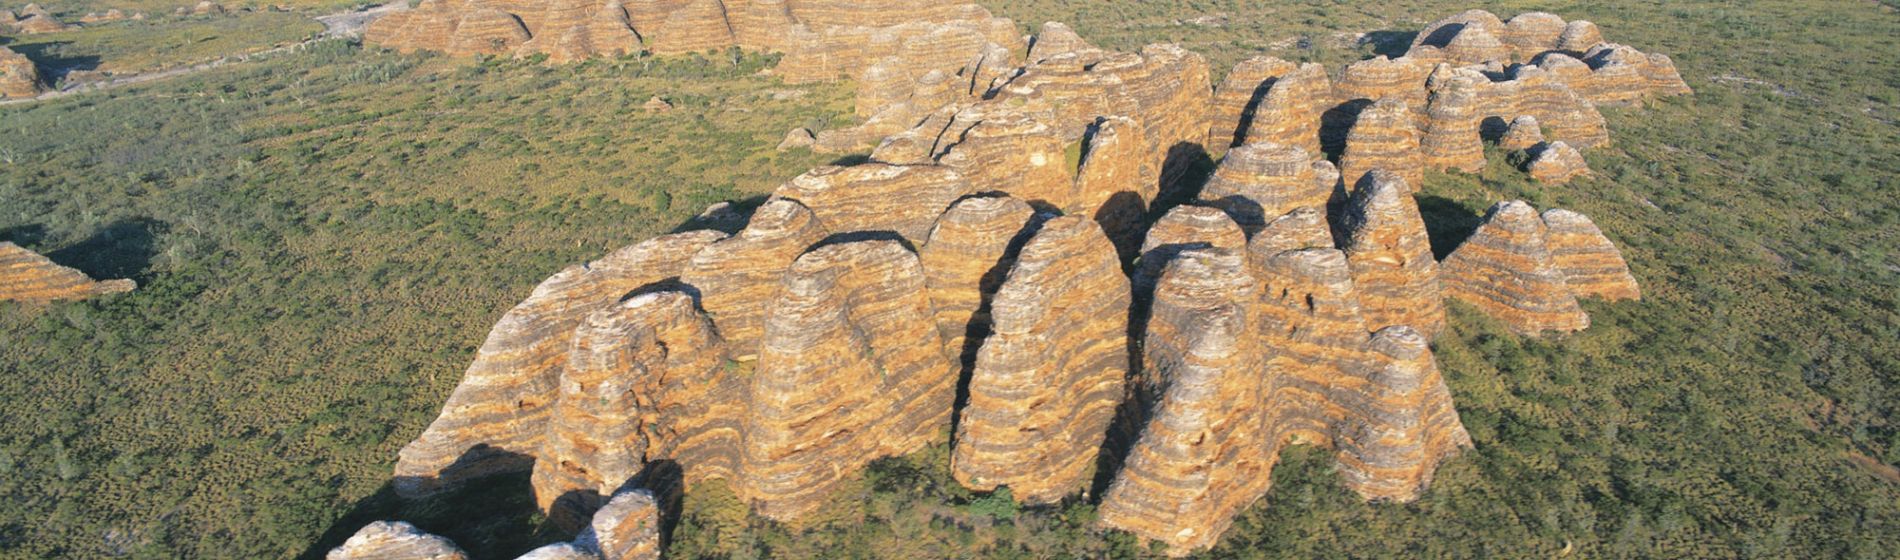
(1591, 264)
(1451, 138)
(395, 540)
(1557, 163)
(1048, 381)
(1115, 184)
(851, 369)
(1391, 256)
(1506, 270)
(28, 276)
(1402, 422)
(1260, 181)
(627, 528)
(1523, 134)
(1290, 114)
(971, 250)
(646, 380)
(738, 277)
(496, 420)
(1238, 98)
(875, 197)
(1383, 138)
(19, 78)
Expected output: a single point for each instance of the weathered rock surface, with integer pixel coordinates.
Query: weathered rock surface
(1506, 270)
(1557, 163)
(851, 369)
(395, 540)
(1384, 238)
(1402, 422)
(876, 197)
(1238, 98)
(1260, 181)
(1181, 229)
(1451, 138)
(1591, 264)
(1049, 379)
(1290, 114)
(971, 250)
(627, 528)
(1383, 138)
(738, 277)
(1115, 182)
(796, 138)
(1523, 134)
(1056, 38)
(28, 276)
(19, 78)
(496, 420)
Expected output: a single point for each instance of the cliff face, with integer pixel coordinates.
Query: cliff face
(27, 276)
(1009, 237)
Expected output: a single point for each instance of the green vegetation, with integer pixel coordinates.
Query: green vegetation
(323, 238)
(160, 42)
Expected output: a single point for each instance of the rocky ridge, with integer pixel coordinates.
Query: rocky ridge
(833, 328)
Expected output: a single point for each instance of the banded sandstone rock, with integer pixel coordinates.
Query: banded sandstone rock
(1591, 264)
(496, 419)
(876, 197)
(1056, 38)
(1557, 163)
(1564, 114)
(19, 78)
(1047, 383)
(1385, 242)
(646, 380)
(969, 253)
(1238, 98)
(1506, 270)
(737, 277)
(395, 540)
(1451, 138)
(627, 528)
(1309, 313)
(1260, 181)
(27, 276)
(1523, 134)
(1401, 422)
(1181, 229)
(851, 369)
(1290, 114)
(1383, 138)
(1115, 184)
(1532, 33)
(1579, 36)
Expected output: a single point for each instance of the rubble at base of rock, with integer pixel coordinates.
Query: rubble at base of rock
(1013, 229)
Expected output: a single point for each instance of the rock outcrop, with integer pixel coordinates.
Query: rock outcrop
(1402, 422)
(1238, 98)
(1523, 134)
(19, 78)
(1506, 270)
(1290, 114)
(738, 277)
(1557, 163)
(1591, 264)
(27, 276)
(851, 369)
(971, 250)
(1384, 138)
(1451, 139)
(1384, 239)
(1260, 181)
(395, 540)
(876, 197)
(34, 19)
(627, 528)
(1049, 379)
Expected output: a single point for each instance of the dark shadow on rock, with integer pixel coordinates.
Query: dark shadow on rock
(853, 159)
(1447, 223)
(978, 328)
(491, 518)
(1492, 128)
(54, 65)
(728, 217)
(123, 249)
(862, 235)
(1442, 36)
(1183, 173)
(1132, 414)
(1389, 43)
(1121, 219)
(1336, 124)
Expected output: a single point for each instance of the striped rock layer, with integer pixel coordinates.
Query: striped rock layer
(1507, 271)
(19, 78)
(1049, 379)
(395, 540)
(1383, 138)
(31, 277)
(1557, 163)
(1005, 236)
(1592, 266)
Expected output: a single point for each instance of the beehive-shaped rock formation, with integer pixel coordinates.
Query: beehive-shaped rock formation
(1262, 180)
(19, 78)
(1290, 114)
(1383, 138)
(1391, 255)
(395, 540)
(969, 253)
(627, 528)
(1048, 381)
(28, 276)
(1115, 184)
(904, 200)
(1506, 270)
(1403, 422)
(1238, 98)
(1451, 138)
(1557, 163)
(851, 369)
(737, 277)
(496, 420)
(1523, 134)
(1591, 265)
